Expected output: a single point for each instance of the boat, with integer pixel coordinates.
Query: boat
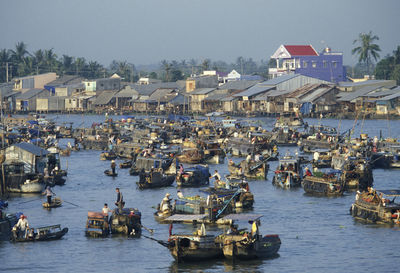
(357, 175)
(126, 164)
(328, 184)
(377, 207)
(19, 181)
(251, 170)
(110, 173)
(97, 224)
(191, 156)
(55, 203)
(195, 247)
(290, 120)
(155, 178)
(108, 156)
(128, 222)
(7, 221)
(245, 245)
(193, 176)
(47, 233)
(167, 164)
(322, 158)
(288, 173)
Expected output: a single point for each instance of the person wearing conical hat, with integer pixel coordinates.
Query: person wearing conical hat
(113, 165)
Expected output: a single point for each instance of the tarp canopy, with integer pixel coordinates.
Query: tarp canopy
(186, 217)
(32, 122)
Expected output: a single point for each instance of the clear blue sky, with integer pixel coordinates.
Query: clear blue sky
(147, 31)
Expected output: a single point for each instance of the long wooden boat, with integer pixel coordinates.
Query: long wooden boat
(328, 185)
(42, 234)
(288, 173)
(247, 245)
(194, 176)
(251, 170)
(154, 179)
(127, 222)
(376, 207)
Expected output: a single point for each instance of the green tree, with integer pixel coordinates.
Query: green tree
(205, 65)
(38, 57)
(18, 58)
(366, 48)
(5, 57)
(167, 68)
(396, 74)
(50, 60)
(67, 65)
(80, 64)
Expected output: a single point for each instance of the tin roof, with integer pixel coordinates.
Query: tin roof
(105, 97)
(29, 94)
(33, 149)
(360, 92)
(254, 90)
(202, 91)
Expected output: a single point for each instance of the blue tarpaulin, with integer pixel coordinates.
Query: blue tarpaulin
(306, 108)
(32, 122)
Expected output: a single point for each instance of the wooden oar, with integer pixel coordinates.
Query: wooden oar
(72, 204)
(148, 229)
(30, 201)
(158, 241)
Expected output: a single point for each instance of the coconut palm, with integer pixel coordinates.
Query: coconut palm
(5, 57)
(367, 48)
(167, 67)
(80, 64)
(67, 64)
(50, 59)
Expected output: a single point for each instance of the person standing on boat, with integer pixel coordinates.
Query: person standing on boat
(19, 230)
(113, 165)
(49, 193)
(216, 175)
(120, 200)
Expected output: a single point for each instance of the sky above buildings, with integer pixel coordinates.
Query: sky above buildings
(148, 31)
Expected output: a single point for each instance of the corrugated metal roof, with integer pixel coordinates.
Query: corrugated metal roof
(281, 79)
(148, 89)
(254, 90)
(380, 93)
(126, 93)
(202, 91)
(229, 98)
(104, 98)
(390, 97)
(362, 91)
(30, 94)
(272, 93)
(351, 84)
(237, 85)
(33, 149)
(66, 80)
(316, 94)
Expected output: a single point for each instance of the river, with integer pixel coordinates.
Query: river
(318, 234)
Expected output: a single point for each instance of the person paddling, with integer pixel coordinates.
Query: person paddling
(49, 193)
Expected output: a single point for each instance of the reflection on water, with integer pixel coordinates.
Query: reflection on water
(317, 233)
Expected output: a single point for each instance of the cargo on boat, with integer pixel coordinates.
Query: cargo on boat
(245, 245)
(288, 173)
(127, 222)
(155, 178)
(328, 184)
(249, 168)
(377, 207)
(55, 203)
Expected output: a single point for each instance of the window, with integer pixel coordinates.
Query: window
(304, 64)
(88, 84)
(325, 64)
(314, 64)
(334, 64)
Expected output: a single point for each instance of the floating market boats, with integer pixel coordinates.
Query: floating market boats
(167, 164)
(97, 224)
(288, 173)
(250, 169)
(193, 176)
(42, 234)
(154, 178)
(376, 207)
(19, 181)
(108, 156)
(127, 222)
(247, 245)
(328, 184)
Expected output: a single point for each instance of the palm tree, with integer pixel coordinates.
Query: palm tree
(95, 69)
(67, 63)
(205, 64)
(367, 48)
(50, 59)
(4, 59)
(167, 67)
(18, 57)
(38, 56)
(80, 64)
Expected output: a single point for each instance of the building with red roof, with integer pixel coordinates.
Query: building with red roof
(305, 60)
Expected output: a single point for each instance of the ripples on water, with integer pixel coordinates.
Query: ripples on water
(317, 234)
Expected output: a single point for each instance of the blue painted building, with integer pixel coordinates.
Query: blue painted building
(305, 60)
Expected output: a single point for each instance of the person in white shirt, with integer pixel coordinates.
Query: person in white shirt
(19, 230)
(180, 194)
(216, 175)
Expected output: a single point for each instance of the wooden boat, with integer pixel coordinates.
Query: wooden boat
(97, 224)
(109, 173)
(128, 222)
(16, 180)
(167, 164)
(327, 185)
(248, 245)
(7, 221)
(193, 177)
(108, 156)
(66, 152)
(191, 156)
(251, 170)
(289, 120)
(125, 164)
(42, 234)
(376, 207)
(56, 202)
(357, 175)
(288, 173)
(193, 247)
(154, 179)
(322, 158)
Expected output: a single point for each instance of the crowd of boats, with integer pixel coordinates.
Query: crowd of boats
(161, 151)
